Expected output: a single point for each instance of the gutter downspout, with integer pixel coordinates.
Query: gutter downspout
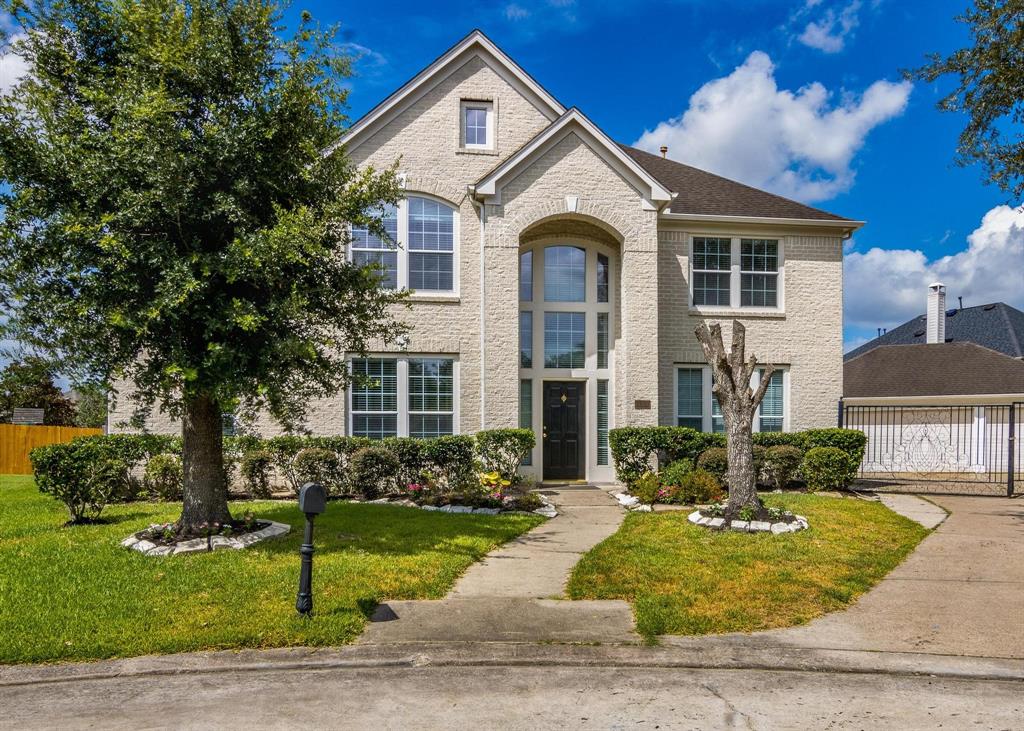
(483, 309)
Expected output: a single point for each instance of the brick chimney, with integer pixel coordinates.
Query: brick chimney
(936, 313)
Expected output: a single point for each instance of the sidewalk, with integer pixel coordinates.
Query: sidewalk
(512, 595)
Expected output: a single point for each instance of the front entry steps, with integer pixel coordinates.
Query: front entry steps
(502, 619)
(512, 594)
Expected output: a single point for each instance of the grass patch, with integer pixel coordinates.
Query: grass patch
(73, 593)
(686, 580)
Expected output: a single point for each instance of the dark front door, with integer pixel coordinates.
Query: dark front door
(564, 434)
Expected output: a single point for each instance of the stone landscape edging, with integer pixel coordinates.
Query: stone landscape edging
(749, 526)
(213, 543)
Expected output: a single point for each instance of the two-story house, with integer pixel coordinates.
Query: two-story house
(557, 276)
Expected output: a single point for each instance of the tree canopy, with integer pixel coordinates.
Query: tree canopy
(171, 218)
(990, 91)
(29, 383)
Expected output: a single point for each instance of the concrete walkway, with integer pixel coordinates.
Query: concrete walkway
(917, 509)
(960, 593)
(511, 596)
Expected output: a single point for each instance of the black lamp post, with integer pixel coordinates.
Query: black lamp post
(312, 502)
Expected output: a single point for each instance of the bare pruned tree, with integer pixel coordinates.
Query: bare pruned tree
(732, 372)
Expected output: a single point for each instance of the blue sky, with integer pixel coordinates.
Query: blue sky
(631, 66)
(802, 97)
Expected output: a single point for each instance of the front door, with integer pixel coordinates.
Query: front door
(564, 434)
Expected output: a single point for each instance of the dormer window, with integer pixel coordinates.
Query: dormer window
(478, 125)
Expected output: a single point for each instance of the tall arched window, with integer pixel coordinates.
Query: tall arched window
(419, 252)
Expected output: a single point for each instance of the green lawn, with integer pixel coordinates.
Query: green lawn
(686, 580)
(73, 593)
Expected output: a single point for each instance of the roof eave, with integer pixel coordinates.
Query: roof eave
(847, 225)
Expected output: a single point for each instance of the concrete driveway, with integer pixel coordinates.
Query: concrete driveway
(960, 593)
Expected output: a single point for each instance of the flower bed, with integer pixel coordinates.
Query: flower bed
(166, 539)
(767, 519)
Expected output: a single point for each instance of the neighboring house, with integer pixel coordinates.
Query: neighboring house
(938, 395)
(558, 276)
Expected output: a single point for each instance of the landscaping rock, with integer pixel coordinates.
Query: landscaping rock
(641, 508)
(760, 526)
(143, 546)
(694, 517)
(626, 500)
(429, 507)
(195, 545)
(741, 525)
(716, 523)
(548, 511)
(486, 511)
(161, 551)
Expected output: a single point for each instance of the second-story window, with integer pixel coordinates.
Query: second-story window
(419, 251)
(735, 272)
(477, 125)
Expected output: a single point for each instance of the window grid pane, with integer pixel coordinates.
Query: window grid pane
(375, 426)
(431, 229)
(431, 271)
(564, 339)
(602, 422)
(368, 249)
(381, 394)
(603, 275)
(476, 126)
(526, 340)
(526, 411)
(759, 255)
(428, 426)
(690, 397)
(565, 274)
(759, 290)
(711, 289)
(717, 420)
(602, 339)
(772, 404)
(526, 276)
(431, 385)
(712, 254)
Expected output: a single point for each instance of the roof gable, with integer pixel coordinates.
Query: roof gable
(475, 45)
(574, 121)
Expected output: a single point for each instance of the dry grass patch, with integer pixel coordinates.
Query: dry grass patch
(687, 580)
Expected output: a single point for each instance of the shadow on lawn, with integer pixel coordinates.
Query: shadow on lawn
(382, 530)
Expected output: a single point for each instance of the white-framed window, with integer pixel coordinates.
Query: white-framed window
(736, 272)
(697, 407)
(477, 124)
(415, 396)
(421, 253)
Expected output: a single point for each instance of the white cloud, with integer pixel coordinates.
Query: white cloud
(796, 144)
(514, 11)
(886, 287)
(12, 66)
(830, 31)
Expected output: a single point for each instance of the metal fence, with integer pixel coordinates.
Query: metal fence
(962, 449)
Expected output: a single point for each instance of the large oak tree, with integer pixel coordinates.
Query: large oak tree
(171, 219)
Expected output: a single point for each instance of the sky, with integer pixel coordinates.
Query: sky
(801, 97)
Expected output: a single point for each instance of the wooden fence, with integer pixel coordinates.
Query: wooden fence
(16, 441)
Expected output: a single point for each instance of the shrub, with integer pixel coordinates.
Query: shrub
(758, 454)
(826, 468)
(632, 448)
(851, 441)
(315, 464)
(373, 471)
(675, 472)
(646, 489)
(285, 448)
(781, 464)
(681, 442)
(450, 459)
(409, 453)
(255, 468)
(164, 476)
(715, 461)
(82, 474)
(699, 486)
(780, 438)
(503, 450)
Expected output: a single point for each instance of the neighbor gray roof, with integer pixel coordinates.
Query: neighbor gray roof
(937, 369)
(698, 191)
(996, 326)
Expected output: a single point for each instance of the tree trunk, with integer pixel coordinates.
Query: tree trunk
(732, 371)
(202, 451)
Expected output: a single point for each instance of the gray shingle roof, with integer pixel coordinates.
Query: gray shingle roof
(937, 369)
(996, 326)
(700, 192)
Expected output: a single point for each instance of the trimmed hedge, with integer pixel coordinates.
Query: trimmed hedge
(826, 468)
(503, 450)
(637, 450)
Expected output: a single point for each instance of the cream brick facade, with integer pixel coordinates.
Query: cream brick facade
(574, 191)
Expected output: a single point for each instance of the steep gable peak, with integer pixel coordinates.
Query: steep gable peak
(474, 45)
